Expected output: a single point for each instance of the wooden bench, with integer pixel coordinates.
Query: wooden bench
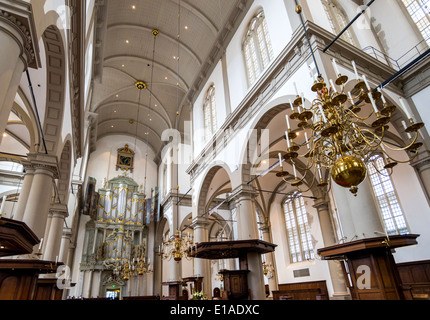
(313, 290)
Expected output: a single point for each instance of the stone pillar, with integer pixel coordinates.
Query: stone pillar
(53, 241)
(19, 51)
(270, 260)
(25, 190)
(202, 266)
(247, 227)
(65, 245)
(45, 235)
(39, 197)
(244, 197)
(340, 290)
(422, 167)
(359, 216)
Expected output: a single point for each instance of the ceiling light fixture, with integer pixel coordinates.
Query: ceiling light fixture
(340, 141)
(178, 246)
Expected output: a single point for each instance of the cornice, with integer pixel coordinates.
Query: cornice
(290, 59)
(77, 74)
(19, 16)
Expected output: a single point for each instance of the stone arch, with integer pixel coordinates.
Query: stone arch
(204, 189)
(55, 91)
(267, 113)
(222, 224)
(65, 164)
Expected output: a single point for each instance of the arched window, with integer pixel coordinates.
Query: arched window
(419, 10)
(385, 194)
(338, 20)
(209, 113)
(165, 180)
(259, 224)
(298, 231)
(257, 47)
(221, 236)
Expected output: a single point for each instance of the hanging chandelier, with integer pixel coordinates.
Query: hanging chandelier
(343, 130)
(135, 267)
(176, 247)
(268, 269)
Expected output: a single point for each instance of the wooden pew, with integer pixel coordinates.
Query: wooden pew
(313, 290)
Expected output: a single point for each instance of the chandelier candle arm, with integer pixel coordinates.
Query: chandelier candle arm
(406, 109)
(280, 159)
(355, 70)
(382, 96)
(306, 140)
(341, 141)
(332, 85)
(322, 113)
(336, 69)
(373, 103)
(295, 87)
(288, 139)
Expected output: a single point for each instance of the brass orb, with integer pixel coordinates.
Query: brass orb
(140, 85)
(348, 171)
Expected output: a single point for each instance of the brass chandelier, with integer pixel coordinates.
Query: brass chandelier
(176, 247)
(134, 267)
(343, 130)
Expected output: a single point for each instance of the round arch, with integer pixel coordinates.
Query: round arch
(203, 191)
(55, 90)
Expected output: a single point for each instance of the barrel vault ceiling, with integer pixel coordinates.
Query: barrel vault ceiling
(126, 51)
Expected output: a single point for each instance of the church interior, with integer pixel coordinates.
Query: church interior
(214, 150)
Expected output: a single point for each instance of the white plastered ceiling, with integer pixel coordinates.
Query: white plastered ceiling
(126, 51)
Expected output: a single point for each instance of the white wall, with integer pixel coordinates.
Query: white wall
(102, 161)
(280, 33)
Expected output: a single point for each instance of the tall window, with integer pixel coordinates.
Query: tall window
(338, 20)
(419, 10)
(209, 113)
(257, 47)
(259, 224)
(298, 231)
(386, 197)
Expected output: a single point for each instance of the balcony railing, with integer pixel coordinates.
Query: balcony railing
(399, 63)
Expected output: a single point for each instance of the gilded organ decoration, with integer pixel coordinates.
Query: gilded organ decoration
(117, 233)
(125, 158)
(121, 203)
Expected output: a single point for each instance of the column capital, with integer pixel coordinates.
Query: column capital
(16, 18)
(58, 210)
(243, 191)
(67, 233)
(422, 160)
(41, 161)
(321, 203)
(200, 222)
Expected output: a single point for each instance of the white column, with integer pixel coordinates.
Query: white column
(19, 51)
(272, 282)
(358, 215)
(247, 228)
(37, 208)
(422, 167)
(202, 266)
(53, 241)
(340, 290)
(23, 195)
(65, 245)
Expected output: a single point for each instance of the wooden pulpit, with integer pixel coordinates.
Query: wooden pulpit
(369, 267)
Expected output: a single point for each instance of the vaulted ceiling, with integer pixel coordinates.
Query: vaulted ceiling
(126, 51)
